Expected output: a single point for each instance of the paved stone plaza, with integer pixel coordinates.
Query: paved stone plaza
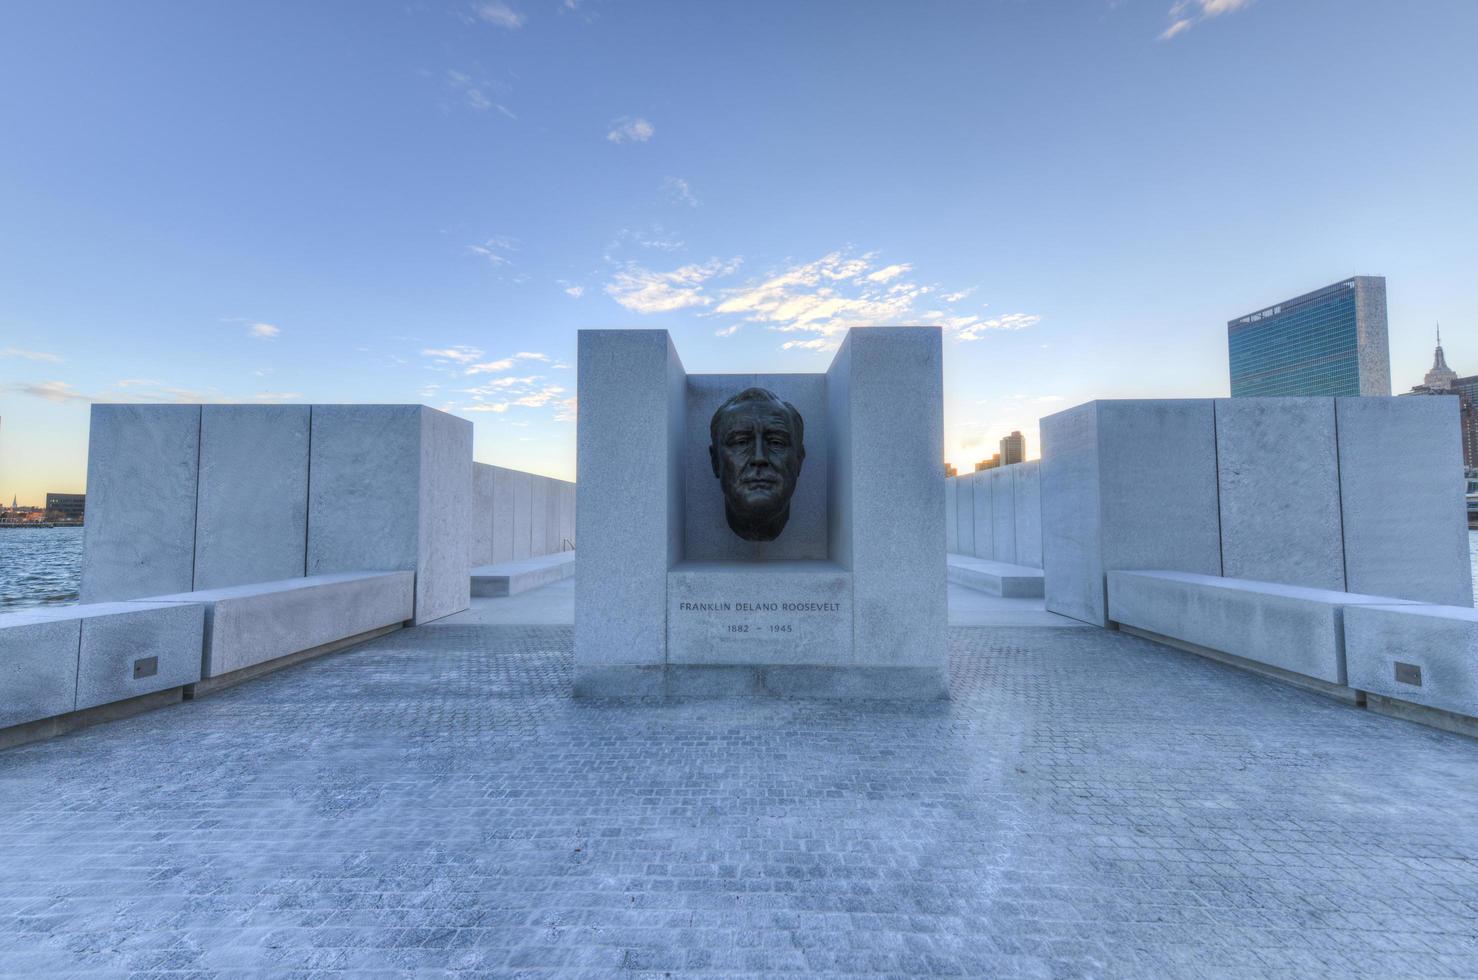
(1089, 804)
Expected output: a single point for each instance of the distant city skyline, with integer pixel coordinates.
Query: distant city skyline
(423, 203)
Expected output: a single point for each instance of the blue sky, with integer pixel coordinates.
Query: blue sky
(350, 201)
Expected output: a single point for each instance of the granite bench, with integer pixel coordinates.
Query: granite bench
(512, 577)
(1416, 655)
(251, 629)
(996, 577)
(1292, 632)
(64, 660)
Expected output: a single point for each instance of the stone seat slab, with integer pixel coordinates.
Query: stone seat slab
(61, 659)
(1000, 578)
(1420, 654)
(247, 625)
(1289, 627)
(512, 577)
(38, 666)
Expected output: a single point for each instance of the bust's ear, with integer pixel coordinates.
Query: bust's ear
(713, 457)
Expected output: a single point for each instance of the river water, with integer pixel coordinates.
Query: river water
(41, 566)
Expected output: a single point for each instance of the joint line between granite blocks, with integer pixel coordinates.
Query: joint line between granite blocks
(195, 523)
(308, 491)
(1339, 489)
(1221, 555)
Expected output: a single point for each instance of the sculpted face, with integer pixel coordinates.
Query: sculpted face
(757, 447)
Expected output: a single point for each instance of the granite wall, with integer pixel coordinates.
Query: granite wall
(190, 497)
(997, 513)
(504, 520)
(1360, 495)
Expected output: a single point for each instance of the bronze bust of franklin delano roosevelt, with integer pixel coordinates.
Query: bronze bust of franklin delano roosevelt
(757, 445)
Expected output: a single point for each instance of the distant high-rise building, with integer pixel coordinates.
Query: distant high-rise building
(950, 471)
(1013, 449)
(988, 464)
(1328, 342)
(1443, 380)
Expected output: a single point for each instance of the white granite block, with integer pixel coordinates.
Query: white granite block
(142, 471)
(965, 505)
(539, 516)
(996, 577)
(443, 559)
(1159, 485)
(523, 515)
(364, 488)
(511, 578)
(1072, 551)
(1278, 477)
(1422, 654)
(1027, 499)
(1126, 485)
(1285, 626)
(895, 432)
(567, 516)
(252, 521)
(1003, 513)
(504, 506)
(630, 502)
(951, 514)
(390, 488)
(706, 532)
(743, 613)
(38, 666)
(984, 512)
(134, 648)
(480, 533)
(551, 524)
(1401, 483)
(253, 624)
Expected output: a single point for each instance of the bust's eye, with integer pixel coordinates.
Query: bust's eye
(738, 439)
(779, 442)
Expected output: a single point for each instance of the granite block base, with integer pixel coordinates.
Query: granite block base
(782, 681)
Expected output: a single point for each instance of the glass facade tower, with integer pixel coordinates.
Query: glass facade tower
(1331, 341)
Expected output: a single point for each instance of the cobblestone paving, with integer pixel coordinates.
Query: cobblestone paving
(1089, 804)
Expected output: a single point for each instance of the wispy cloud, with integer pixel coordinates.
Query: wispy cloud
(819, 300)
(491, 367)
(263, 331)
(823, 297)
(888, 272)
(495, 250)
(475, 94)
(678, 191)
(30, 355)
(499, 14)
(52, 391)
(628, 130)
(467, 361)
(501, 395)
(459, 355)
(1185, 14)
(644, 290)
(655, 237)
(1009, 321)
(573, 290)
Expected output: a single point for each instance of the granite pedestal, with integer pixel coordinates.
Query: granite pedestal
(848, 601)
